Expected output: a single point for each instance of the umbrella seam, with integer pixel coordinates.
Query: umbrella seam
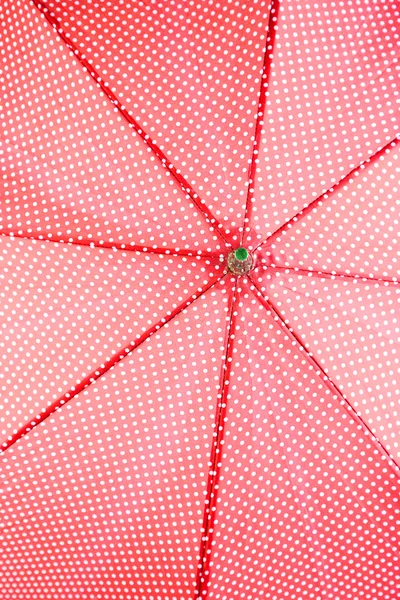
(359, 277)
(104, 367)
(327, 193)
(266, 70)
(119, 246)
(266, 302)
(203, 574)
(184, 184)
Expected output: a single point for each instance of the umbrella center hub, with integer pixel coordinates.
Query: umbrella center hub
(240, 261)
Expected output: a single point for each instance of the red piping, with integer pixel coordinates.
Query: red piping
(359, 277)
(270, 306)
(119, 246)
(185, 185)
(92, 377)
(203, 573)
(271, 32)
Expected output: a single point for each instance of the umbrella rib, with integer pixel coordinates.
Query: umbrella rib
(203, 574)
(359, 277)
(327, 194)
(167, 164)
(269, 305)
(266, 70)
(106, 366)
(119, 246)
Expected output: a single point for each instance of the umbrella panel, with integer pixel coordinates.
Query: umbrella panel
(67, 309)
(307, 502)
(105, 498)
(74, 170)
(332, 102)
(189, 75)
(352, 230)
(351, 327)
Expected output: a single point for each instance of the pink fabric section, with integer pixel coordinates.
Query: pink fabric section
(73, 168)
(190, 75)
(105, 498)
(307, 505)
(353, 230)
(333, 101)
(66, 309)
(352, 329)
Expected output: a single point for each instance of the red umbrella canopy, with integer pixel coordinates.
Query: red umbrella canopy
(200, 300)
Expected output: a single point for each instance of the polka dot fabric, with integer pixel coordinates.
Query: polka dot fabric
(352, 328)
(106, 496)
(332, 102)
(189, 73)
(66, 309)
(73, 168)
(307, 505)
(177, 423)
(354, 229)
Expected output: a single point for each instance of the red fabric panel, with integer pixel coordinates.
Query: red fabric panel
(307, 505)
(352, 329)
(73, 168)
(189, 73)
(105, 498)
(66, 309)
(353, 230)
(332, 102)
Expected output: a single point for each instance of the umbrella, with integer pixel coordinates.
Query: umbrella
(200, 300)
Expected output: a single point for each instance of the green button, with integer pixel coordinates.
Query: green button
(241, 254)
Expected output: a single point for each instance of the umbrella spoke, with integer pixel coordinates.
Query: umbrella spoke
(118, 246)
(203, 573)
(106, 366)
(360, 277)
(329, 382)
(272, 22)
(167, 164)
